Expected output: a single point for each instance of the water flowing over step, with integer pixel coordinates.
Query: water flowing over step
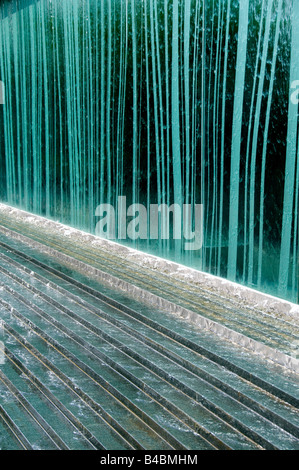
(87, 366)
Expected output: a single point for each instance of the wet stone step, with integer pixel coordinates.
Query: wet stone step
(68, 433)
(200, 391)
(119, 413)
(131, 375)
(13, 430)
(32, 432)
(114, 263)
(233, 317)
(218, 425)
(84, 311)
(70, 396)
(7, 439)
(108, 378)
(104, 436)
(101, 430)
(98, 394)
(101, 258)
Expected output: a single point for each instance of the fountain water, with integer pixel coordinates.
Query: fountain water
(161, 101)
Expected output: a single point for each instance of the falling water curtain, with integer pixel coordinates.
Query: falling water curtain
(161, 102)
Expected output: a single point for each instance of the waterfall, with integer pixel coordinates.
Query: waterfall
(159, 103)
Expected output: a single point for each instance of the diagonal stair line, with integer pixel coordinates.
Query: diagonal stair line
(196, 395)
(93, 376)
(263, 411)
(130, 377)
(265, 324)
(82, 395)
(14, 429)
(247, 375)
(160, 373)
(58, 442)
(87, 254)
(98, 333)
(38, 385)
(148, 295)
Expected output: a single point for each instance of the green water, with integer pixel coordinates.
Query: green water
(161, 101)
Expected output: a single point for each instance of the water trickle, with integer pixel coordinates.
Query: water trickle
(162, 102)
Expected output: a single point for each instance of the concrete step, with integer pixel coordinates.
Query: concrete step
(260, 320)
(149, 379)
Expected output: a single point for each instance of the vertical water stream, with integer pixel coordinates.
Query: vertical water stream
(160, 102)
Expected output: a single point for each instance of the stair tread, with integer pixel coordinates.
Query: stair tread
(149, 372)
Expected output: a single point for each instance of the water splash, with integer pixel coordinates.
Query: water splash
(161, 101)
